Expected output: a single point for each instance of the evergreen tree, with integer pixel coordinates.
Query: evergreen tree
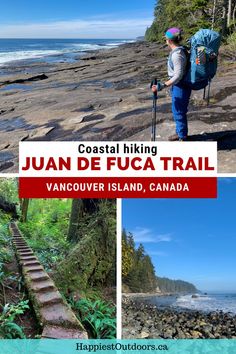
(175, 286)
(127, 253)
(138, 270)
(191, 15)
(74, 220)
(139, 273)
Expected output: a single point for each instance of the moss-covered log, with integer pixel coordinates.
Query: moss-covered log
(92, 261)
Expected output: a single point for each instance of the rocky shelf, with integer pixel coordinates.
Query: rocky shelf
(105, 95)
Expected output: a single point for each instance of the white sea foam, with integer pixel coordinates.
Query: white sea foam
(225, 303)
(123, 42)
(116, 44)
(11, 56)
(84, 47)
(6, 57)
(90, 46)
(192, 299)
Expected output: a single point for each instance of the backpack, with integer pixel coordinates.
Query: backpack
(201, 59)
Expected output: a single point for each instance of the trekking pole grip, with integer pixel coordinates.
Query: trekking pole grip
(154, 82)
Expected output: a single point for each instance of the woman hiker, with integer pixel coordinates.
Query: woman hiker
(180, 93)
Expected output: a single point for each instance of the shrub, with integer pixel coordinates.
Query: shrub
(97, 316)
(8, 328)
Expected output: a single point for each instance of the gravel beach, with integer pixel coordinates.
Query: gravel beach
(141, 320)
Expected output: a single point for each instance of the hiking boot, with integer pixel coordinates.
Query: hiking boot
(173, 137)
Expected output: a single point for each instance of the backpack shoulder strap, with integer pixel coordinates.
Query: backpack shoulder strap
(183, 49)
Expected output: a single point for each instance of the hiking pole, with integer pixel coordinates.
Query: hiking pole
(204, 94)
(208, 92)
(154, 111)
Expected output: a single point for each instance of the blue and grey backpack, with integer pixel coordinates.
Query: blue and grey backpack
(202, 58)
(204, 48)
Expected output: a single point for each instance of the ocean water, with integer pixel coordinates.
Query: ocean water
(51, 50)
(208, 303)
(205, 303)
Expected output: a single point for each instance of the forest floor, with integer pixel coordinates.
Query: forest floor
(105, 95)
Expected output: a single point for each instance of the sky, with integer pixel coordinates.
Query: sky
(189, 239)
(75, 18)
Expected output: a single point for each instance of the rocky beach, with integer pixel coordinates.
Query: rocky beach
(105, 95)
(146, 321)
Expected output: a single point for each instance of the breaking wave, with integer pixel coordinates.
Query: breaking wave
(13, 50)
(212, 302)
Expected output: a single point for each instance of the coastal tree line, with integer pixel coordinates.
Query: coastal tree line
(138, 272)
(191, 15)
(167, 285)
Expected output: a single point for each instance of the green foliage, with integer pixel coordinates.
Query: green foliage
(4, 231)
(92, 261)
(5, 276)
(190, 15)
(46, 229)
(8, 328)
(127, 256)
(231, 43)
(139, 275)
(97, 316)
(138, 270)
(89, 262)
(9, 189)
(9, 313)
(5, 254)
(175, 286)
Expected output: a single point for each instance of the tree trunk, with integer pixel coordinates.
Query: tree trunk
(224, 19)
(229, 13)
(213, 15)
(233, 17)
(91, 261)
(24, 209)
(74, 220)
(90, 205)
